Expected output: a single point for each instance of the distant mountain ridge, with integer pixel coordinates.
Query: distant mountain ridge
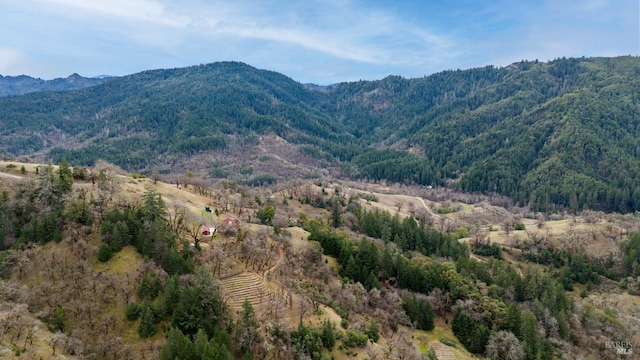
(558, 135)
(23, 84)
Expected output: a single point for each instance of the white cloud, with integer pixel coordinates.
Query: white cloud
(131, 10)
(567, 28)
(307, 40)
(339, 29)
(160, 33)
(345, 32)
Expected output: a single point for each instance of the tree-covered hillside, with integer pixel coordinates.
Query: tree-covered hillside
(18, 85)
(136, 120)
(562, 134)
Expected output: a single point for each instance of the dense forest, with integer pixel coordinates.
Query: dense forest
(560, 135)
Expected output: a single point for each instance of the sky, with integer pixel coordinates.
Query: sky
(311, 41)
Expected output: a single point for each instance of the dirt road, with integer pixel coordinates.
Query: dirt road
(10, 176)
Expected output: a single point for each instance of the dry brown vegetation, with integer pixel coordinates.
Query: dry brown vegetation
(286, 278)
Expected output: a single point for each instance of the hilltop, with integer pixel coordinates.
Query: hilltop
(23, 84)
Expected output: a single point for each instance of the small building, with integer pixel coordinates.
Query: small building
(207, 230)
(230, 222)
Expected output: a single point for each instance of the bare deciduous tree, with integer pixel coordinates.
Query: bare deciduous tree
(440, 302)
(399, 204)
(540, 221)
(478, 235)
(504, 345)
(304, 306)
(177, 220)
(508, 225)
(154, 175)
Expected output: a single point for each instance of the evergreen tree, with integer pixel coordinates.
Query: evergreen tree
(188, 313)
(172, 290)
(472, 334)
(150, 286)
(352, 270)
(153, 207)
(529, 331)
(60, 319)
(120, 236)
(419, 311)
(512, 320)
(247, 334)
(147, 327)
(371, 282)
(65, 176)
(200, 307)
(373, 331)
(104, 252)
(328, 335)
(203, 348)
(387, 265)
(133, 311)
(336, 219)
(178, 346)
(266, 214)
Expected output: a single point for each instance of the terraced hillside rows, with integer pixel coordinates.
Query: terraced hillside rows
(442, 351)
(245, 285)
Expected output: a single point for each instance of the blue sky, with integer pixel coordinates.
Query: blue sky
(319, 41)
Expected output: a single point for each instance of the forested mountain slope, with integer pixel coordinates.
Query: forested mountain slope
(135, 120)
(18, 85)
(562, 134)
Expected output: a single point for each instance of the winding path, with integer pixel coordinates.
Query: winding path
(431, 212)
(471, 255)
(10, 176)
(276, 265)
(426, 207)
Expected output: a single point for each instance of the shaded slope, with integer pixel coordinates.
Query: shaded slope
(563, 133)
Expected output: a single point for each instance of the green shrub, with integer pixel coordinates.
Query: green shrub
(147, 326)
(59, 319)
(373, 332)
(133, 311)
(355, 338)
(488, 250)
(519, 225)
(150, 286)
(137, 176)
(80, 173)
(104, 252)
(449, 342)
(444, 210)
(328, 335)
(160, 307)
